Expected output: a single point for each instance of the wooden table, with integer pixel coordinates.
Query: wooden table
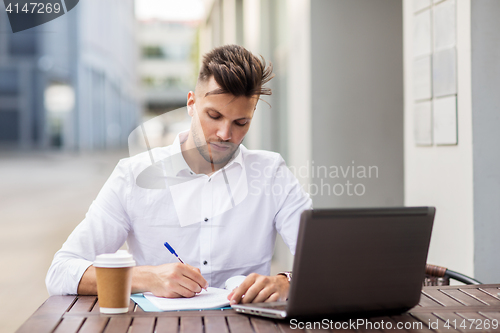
(464, 308)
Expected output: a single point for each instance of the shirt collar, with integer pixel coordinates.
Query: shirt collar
(179, 163)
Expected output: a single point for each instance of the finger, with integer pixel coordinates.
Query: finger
(263, 295)
(180, 276)
(189, 284)
(273, 298)
(242, 289)
(252, 292)
(191, 273)
(173, 290)
(230, 295)
(184, 292)
(194, 268)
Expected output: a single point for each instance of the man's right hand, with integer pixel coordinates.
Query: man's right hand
(167, 280)
(171, 280)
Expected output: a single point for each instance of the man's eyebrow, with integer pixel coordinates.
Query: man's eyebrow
(214, 110)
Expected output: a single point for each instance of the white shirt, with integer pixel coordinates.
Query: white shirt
(225, 224)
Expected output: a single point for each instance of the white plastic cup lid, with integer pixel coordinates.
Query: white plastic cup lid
(120, 258)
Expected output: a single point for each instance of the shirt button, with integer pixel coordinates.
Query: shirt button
(205, 262)
(191, 172)
(209, 179)
(206, 219)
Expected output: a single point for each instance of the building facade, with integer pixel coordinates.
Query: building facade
(167, 63)
(71, 82)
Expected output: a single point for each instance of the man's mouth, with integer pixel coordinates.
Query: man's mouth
(219, 146)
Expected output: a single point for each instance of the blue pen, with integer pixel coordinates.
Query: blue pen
(171, 249)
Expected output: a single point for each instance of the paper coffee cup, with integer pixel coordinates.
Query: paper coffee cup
(114, 281)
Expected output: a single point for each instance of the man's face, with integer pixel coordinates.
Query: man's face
(224, 120)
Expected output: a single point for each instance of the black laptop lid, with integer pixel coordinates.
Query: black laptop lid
(360, 260)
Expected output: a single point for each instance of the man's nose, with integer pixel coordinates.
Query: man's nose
(224, 131)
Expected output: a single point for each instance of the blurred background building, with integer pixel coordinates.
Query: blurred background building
(72, 82)
(167, 63)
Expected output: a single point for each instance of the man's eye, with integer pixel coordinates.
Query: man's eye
(242, 124)
(213, 117)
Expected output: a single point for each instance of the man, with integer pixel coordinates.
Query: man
(217, 203)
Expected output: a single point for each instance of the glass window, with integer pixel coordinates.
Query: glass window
(9, 82)
(152, 52)
(23, 43)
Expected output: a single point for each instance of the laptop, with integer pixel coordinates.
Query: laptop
(368, 261)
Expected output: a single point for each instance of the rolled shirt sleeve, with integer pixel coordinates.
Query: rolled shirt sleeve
(290, 204)
(104, 230)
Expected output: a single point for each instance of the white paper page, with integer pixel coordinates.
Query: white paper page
(212, 298)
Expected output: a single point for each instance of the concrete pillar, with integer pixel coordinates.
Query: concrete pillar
(356, 110)
(486, 137)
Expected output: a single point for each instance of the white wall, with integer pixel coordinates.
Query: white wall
(441, 176)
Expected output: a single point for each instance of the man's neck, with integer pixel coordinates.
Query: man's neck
(194, 159)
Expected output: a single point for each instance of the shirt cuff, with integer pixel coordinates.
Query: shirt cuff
(76, 268)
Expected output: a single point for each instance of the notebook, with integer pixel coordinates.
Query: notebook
(212, 298)
(355, 261)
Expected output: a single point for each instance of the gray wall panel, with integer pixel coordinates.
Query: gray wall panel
(357, 101)
(486, 138)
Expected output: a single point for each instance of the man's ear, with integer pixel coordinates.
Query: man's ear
(190, 103)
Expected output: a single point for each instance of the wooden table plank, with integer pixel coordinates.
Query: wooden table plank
(167, 324)
(239, 324)
(261, 325)
(118, 324)
(384, 324)
(314, 330)
(433, 322)
(411, 324)
(339, 328)
(142, 325)
(70, 325)
(455, 309)
(438, 304)
(451, 321)
(490, 290)
(285, 327)
(48, 315)
(463, 297)
(96, 308)
(94, 325)
(483, 296)
(491, 315)
(442, 298)
(216, 325)
(83, 304)
(191, 325)
(465, 286)
(425, 301)
(471, 317)
(175, 314)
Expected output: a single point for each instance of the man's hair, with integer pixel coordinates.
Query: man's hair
(237, 71)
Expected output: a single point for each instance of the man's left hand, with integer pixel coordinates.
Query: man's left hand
(260, 288)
